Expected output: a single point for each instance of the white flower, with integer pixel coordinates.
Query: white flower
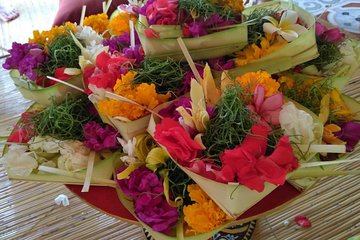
(297, 124)
(74, 156)
(18, 161)
(88, 35)
(129, 148)
(44, 144)
(287, 27)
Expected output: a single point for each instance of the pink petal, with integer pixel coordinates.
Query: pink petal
(272, 103)
(302, 221)
(272, 117)
(259, 96)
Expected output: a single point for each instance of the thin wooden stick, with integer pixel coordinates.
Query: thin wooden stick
(107, 6)
(328, 148)
(104, 7)
(89, 172)
(132, 34)
(65, 83)
(82, 17)
(189, 59)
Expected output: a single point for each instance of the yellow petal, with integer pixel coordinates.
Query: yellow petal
(212, 94)
(226, 81)
(188, 120)
(324, 108)
(125, 174)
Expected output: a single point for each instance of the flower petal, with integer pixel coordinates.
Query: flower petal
(270, 28)
(297, 28)
(288, 17)
(289, 35)
(272, 20)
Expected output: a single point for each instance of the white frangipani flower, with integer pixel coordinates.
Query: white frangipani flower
(287, 27)
(297, 124)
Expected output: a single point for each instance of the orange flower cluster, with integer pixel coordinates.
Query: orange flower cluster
(249, 81)
(46, 37)
(120, 24)
(99, 23)
(204, 215)
(250, 53)
(234, 5)
(144, 94)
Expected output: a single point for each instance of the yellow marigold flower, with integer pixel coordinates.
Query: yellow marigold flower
(144, 94)
(46, 37)
(120, 24)
(339, 108)
(250, 53)
(204, 215)
(251, 80)
(99, 23)
(328, 135)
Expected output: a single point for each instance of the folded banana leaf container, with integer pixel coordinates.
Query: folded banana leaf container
(213, 45)
(46, 96)
(301, 50)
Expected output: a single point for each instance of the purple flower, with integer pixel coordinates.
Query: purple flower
(142, 180)
(117, 43)
(98, 138)
(216, 20)
(197, 29)
(187, 79)
(170, 111)
(220, 64)
(156, 212)
(26, 58)
(349, 133)
(137, 53)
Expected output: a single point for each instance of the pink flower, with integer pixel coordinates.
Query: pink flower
(268, 108)
(333, 35)
(99, 138)
(162, 12)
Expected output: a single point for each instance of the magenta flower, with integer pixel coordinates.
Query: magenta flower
(185, 86)
(220, 64)
(268, 108)
(156, 212)
(142, 180)
(151, 207)
(333, 35)
(170, 111)
(349, 133)
(99, 138)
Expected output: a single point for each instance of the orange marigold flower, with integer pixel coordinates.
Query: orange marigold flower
(144, 94)
(99, 23)
(204, 215)
(250, 53)
(120, 24)
(251, 80)
(234, 5)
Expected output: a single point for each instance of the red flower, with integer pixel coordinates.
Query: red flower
(109, 68)
(182, 148)
(252, 168)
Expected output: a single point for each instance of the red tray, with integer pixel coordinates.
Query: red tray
(105, 199)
